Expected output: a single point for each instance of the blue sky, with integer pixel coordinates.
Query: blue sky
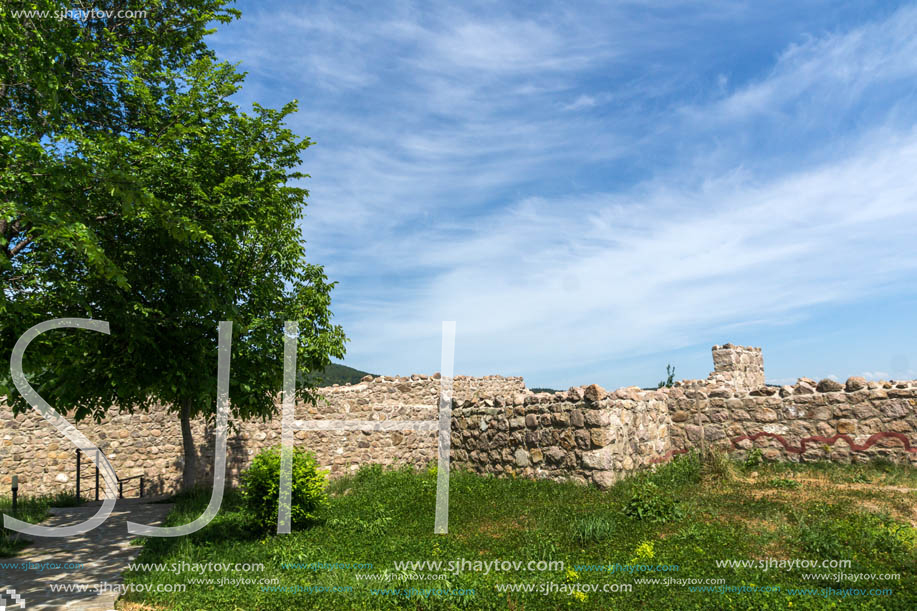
(593, 190)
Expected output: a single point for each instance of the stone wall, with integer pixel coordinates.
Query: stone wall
(810, 420)
(584, 434)
(149, 444)
(145, 443)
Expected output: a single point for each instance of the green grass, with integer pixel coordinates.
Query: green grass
(698, 510)
(783, 482)
(32, 510)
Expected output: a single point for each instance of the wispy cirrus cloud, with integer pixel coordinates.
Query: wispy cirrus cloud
(581, 186)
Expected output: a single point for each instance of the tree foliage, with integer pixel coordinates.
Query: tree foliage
(133, 190)
(82, 104)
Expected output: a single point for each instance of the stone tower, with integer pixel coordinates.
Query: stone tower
(741, 367)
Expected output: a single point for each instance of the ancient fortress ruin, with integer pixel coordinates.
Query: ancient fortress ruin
(584, 434)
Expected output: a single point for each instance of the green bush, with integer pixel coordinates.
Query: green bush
(261, 489)
(651, 503)
(754, 458)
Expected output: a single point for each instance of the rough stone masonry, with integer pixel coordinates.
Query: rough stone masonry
(584, 434)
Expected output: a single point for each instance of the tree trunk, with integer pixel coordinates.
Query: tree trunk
(189, 471)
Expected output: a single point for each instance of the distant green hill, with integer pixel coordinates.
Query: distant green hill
(336, 373)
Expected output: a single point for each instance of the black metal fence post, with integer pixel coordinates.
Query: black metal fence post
(97, 475)
(15, 492)
(141, 486)
(78, 452)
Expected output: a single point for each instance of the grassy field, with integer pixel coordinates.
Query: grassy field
(690, 513)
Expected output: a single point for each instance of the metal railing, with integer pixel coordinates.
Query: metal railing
(79, 469)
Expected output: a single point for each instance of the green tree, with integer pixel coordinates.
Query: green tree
(669, 380)
(82, 102)
(186, 213)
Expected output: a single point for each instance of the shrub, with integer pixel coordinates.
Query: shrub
(65, 499)
(650, 502)
(261, 488)
(860, 478)
(753, 458)
(716, 464)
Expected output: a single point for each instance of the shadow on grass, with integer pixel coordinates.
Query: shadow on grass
(232, 523)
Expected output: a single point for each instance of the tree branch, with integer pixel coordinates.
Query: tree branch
(12, 252)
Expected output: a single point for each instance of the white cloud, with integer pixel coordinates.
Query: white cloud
(497, 47)
(838, 68)
(582, 280)
(442, 150)
(583, 101)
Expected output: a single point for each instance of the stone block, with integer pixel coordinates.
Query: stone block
(896, 409)
(577, 419)
(713, 433)
(846, 427)
(594, 393)
(602, 459)
(554, 455)
(765, 414)
(829, 385)
(604, 479)
(583, 439)
(598, 417)
(601, 437)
